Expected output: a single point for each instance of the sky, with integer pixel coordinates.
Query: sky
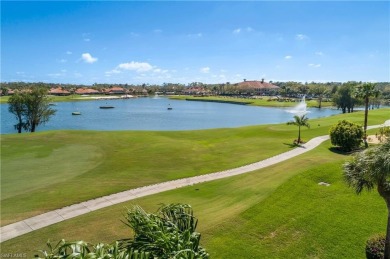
(158, 42)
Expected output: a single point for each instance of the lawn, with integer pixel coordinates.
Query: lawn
(49, 170)
(265, 101)
(276, 212)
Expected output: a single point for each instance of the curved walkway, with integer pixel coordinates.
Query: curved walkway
(25, 226)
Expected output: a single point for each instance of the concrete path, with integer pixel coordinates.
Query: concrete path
(25, 226)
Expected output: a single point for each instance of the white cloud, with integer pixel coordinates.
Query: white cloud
(62, 61)
(55, 75)
(249, 29)
(157, 31)
(196, 35)
(205, 70)
(86, 36)
(319, 53)
(88, 58)
(61, 74)
(114, 71)
(69, 52)
(288, 57)
(136, 66)
(142, 70)
(237, 31)
(314, 65)
(160, 71)
(301, 37)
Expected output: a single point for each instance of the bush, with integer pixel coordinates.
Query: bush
(347, 135)
(170, 233)
(375, 247)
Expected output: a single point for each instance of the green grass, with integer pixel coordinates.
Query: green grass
(276, 212)
(264, 101)
(40, 169)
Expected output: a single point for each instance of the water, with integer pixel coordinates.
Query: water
(300, 109)
(153, 114)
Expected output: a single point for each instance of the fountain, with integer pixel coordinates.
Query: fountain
(300, 109)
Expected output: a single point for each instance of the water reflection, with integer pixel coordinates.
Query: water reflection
(152, 114)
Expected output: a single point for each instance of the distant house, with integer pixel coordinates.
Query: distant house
(58, 91)
(196, 90)
(86, 91)
(257, 87)
(115, 90)
(10, 92)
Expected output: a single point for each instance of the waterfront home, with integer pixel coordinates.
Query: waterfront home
(257, 87)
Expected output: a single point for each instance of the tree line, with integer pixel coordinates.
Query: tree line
(287, 89)
(30, 103)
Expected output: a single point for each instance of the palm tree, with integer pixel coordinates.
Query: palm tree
(368, 170)
(365, 91)
(300, 121)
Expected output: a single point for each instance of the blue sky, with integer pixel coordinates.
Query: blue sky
(183, 42)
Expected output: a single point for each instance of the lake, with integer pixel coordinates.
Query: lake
(153, 114)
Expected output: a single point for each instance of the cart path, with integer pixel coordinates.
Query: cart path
(40, 221)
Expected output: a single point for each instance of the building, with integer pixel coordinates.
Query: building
(58, 91)
(86, 91)
(257, 87)
(115, 90)
(196, 90)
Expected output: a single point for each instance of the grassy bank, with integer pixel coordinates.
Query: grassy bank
(277, 212)
(264, 101)
(49, 170)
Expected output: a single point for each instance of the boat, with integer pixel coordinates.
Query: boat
(76, 113)
(52, 104)
(106, 107)
(169, 107)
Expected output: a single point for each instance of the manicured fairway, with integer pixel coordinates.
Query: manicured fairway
(265, 101)
(49, 170)
(277, 212)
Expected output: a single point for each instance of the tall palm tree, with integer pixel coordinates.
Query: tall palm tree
(300, 121)
(365, 91)
(370, 169)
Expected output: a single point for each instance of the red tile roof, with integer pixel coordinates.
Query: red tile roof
(58, 90)
(257, 85)
(86, 91)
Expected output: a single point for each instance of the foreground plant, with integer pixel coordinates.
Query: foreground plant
(170, 233)
(81, 250)
(368, 170)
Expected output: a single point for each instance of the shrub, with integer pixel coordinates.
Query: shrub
(347, 135)
(170, 233)
(375, 247)
(81, 249)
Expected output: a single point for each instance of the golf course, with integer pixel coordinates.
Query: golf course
(276, 212)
